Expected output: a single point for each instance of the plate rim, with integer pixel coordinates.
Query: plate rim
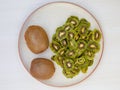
(65, 2)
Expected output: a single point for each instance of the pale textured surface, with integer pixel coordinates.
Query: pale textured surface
(13, 76)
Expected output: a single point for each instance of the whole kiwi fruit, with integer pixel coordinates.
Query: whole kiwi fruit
(36, 39)
(42, 68)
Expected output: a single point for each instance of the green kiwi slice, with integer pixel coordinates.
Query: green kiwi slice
(85, 64)
(89, 54)
(80, 60)
(67, 73)
(70, 53)
(68, 64)
(54, 38)
(71, 34)
(58, 59)
(77, 67)
(77, 36)
(64, 42)
(82, 30)
(89, 35)
(84, 23)
(90, 62)
(84, 69)
(82, 45)
(55, 46)
(83, 37)
(73, 20)
(68, 26)
(96, 35)
(61, 51)
(61, 34)
(59, 29)
(72, 44)
(93, 46)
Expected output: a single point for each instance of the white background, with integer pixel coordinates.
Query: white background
(13, 76)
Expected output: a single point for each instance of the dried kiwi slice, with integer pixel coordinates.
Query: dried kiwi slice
(68, 64)
(82, 30)
(84, 23)
(85, 64)
(73, 20)
(58, 59)
(89, 35)
(64, 42)
(93, 46)
(71, 53)
(90, 62)
(79, 52)
(89, 31)
(89, 54)
(83, 20)
(55, 46)
(75, 71)
(83, 37)
(84, 69)
(70, 69)
(72, 44)
(59, 29)
(54, 38)
(61, 34)
(77, 67)
(80, 60)
(61, 51)
(96, 35)
(82, 44)
(71, 34)
(68, 73)
(68, 26)
(77, 37)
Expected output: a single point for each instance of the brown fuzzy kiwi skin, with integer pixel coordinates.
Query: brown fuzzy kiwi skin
(42, 68)
(36, 39)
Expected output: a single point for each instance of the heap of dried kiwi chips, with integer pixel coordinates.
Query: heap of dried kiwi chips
(75, 46)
